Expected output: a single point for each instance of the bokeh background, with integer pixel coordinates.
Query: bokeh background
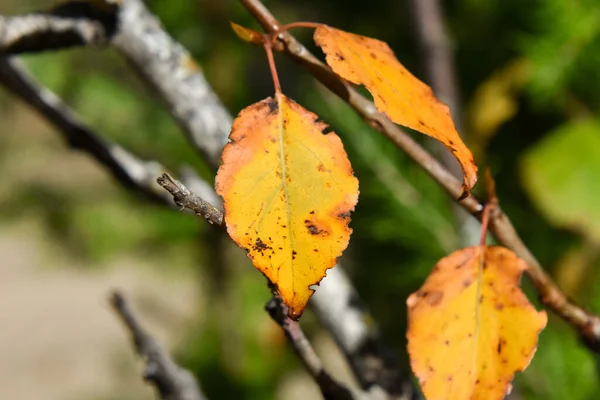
(529, 81)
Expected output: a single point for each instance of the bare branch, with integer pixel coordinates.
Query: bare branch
(586, 323)
(71, 24)
(171, 381)
(130, 171)
(163, 63)
(341, 311)
(185, 199)
(437, 53)
(168, 68)
(331, 389)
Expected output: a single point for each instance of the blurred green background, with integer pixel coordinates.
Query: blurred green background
(529, 77)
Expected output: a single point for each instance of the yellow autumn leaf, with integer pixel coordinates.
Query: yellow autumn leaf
(471, 327)
(288, 191)
(401, 96)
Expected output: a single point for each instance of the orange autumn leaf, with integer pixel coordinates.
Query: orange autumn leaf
(288, 191)
(471, 328)
(402, 97)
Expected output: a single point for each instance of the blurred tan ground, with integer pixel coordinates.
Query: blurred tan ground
(58, 337)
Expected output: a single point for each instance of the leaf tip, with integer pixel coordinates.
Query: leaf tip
(295, 314)
(466, 192)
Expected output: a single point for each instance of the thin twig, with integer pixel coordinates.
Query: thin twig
(342, 312)
(130, 171)
(185, 199)
(70, 24)
(171, 381)
(586, 323)
(330, 388)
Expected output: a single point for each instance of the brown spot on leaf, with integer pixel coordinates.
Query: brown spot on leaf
(344, 215)
(501, 344)
(260, 246)
(433, 298)
(273, 106)
(321, 167)
(312, 228)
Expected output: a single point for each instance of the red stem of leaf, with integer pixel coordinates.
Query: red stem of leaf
(293, 25)
(485, 217)
(268, 45)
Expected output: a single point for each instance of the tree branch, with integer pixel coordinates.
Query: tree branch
(185, 199)
(171, 381)
(133, 31)
(71, 24)
(586, 323)
(130, 171)
(331, 389)
(168, 68)
(342, 312)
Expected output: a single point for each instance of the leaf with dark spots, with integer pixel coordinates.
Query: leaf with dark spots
(275, 149)
(455, 324)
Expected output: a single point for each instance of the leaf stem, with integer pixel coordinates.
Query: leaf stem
(485, 217)
(286, 27)
(268, 45)
(491, 204)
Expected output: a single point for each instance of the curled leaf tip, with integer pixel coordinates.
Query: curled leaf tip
(246, 34)
(465, 193)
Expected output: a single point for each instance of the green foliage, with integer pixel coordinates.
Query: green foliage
(561, 174)
(565, 52)
(561, 369)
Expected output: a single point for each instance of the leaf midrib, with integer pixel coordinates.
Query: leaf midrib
(283, 167)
